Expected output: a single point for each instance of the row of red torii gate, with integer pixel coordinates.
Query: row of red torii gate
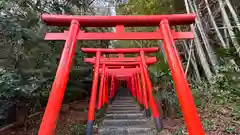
(112, 69)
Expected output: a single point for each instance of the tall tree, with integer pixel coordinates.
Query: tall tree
(199, 49)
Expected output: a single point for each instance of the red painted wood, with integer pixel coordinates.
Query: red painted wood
(100, 94)
(92, 103)
(120, 68)
(51, 113)
(125, 59)
(184, 94)
(120, 50)
(106, 21)
(151, 61)
(152, 102)
(119, 36)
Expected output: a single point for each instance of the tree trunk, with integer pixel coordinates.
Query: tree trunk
(226, 35)
(193, 60)
(199, 50)
(234, 14)
(209, 50)
(224, 45)
(229, 27)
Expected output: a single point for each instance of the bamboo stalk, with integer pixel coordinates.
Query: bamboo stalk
(215, 27)
(229, 27)
(234, 14)
(199, 49)
(210, 53)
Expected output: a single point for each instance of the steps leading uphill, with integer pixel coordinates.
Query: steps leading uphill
(124, 117)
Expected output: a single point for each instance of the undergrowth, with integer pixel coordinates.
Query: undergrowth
(80, 129)
(218, 101)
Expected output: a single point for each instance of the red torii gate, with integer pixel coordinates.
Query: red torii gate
(74, 33)
(121, 72)
(141, 61)
(125, 74)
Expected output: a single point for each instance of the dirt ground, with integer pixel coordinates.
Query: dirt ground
(72, 117)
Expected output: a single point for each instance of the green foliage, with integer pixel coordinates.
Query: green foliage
(31, 62)
(226, 55)
(77, 129)
(222, 91)
(13, 86)
(16, 90)
(165, 93)
(230, 130)
(30, 58)
(206, 124)
(224, 87)
(146, 7)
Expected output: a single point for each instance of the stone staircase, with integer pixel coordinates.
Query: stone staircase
(124, 117)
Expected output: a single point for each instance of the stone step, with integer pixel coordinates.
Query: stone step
(116, 98)
(123, 94)
(126, 130)
(124, 116)
(122, 105)
(124, 101)
(125, 111)
(124, 122)
(127, 96)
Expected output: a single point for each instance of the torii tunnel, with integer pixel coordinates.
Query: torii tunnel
(133, 70)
